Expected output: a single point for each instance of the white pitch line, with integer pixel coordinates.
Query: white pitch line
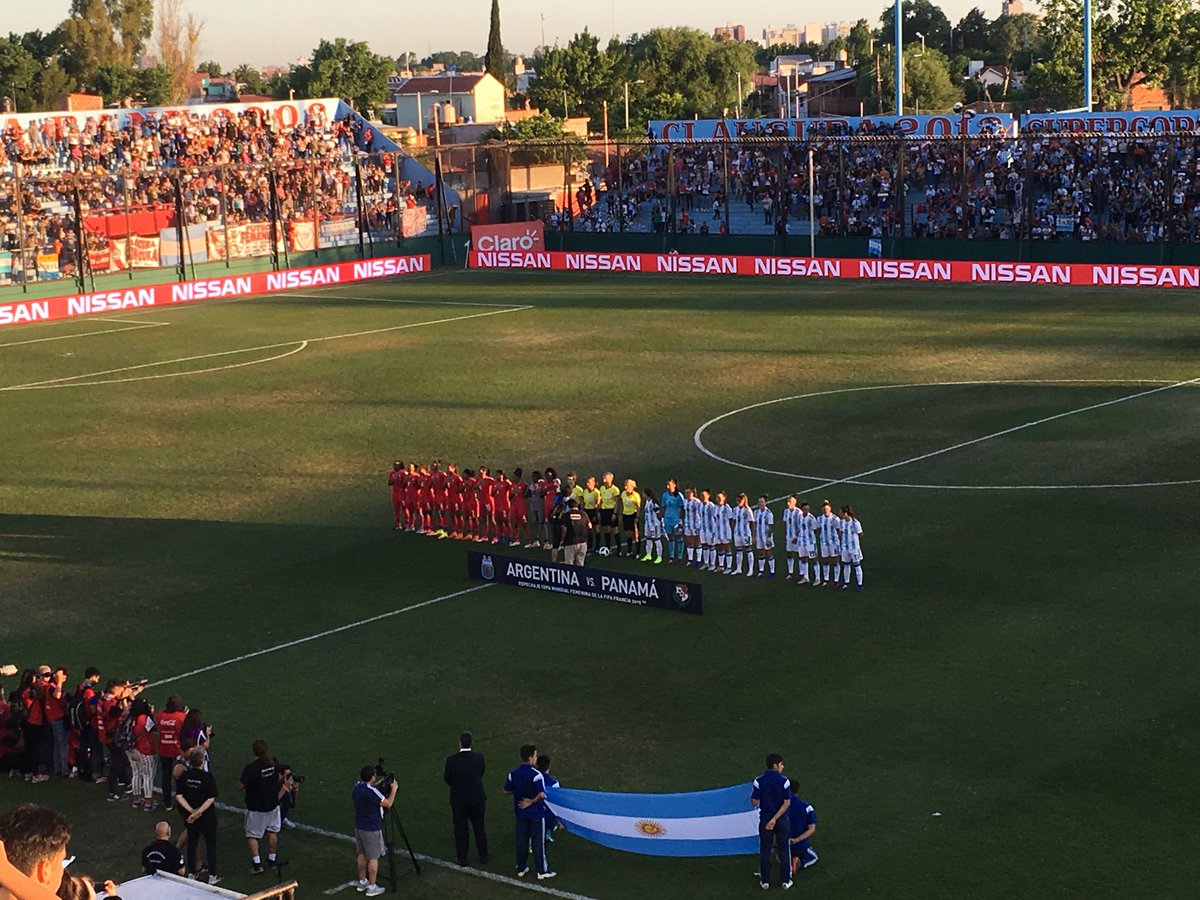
(995, 434)
(332, 337)
(317, 296)
(432, 860)
(318, 636)
(699, 443)
(66, 337)
(337, 889)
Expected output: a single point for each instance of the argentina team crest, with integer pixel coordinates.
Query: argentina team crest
(681, 594)
(486, 569)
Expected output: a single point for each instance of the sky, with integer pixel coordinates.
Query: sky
(266, 32)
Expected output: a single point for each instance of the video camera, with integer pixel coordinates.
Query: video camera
(387, 778)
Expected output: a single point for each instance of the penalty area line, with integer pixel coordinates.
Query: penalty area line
(314, 637)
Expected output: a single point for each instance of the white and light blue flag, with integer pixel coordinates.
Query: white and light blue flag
(703, 823)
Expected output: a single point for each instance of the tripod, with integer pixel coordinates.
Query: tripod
(392, 826)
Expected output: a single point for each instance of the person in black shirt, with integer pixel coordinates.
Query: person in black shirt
(464, 773)
(260, 781)
(162, 855)
(196, 794)
(574, 529)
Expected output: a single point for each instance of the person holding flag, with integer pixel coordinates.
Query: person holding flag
(772, 794)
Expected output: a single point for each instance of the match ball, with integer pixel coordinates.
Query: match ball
(603, 551)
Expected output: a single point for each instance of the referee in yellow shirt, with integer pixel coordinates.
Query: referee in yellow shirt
(609, 493)
(589, 502)
(631, 505)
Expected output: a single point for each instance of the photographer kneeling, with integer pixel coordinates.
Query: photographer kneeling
(369, 806)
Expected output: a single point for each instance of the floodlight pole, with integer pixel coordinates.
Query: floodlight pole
(1087, 55)
(899, 54)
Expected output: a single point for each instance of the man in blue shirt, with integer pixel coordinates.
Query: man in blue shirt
(802, 822)
(528, 789)
(369, 806)
(772, 795)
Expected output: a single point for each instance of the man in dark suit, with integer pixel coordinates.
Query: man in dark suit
(464, 774)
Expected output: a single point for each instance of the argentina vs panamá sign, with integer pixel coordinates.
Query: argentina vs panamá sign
(584, 581)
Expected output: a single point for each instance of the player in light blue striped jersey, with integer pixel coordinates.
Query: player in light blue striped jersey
(743, 536)
(652, 528)
(807, 544)
(724, 515)
(708, 531)
(851, 549)
(793, 522)
(829, 530)
(764, 537)
(691, 525)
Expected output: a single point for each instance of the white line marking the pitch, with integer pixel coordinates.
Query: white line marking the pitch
(132, 326)
(319, 635)
(317, 296)
(421, 857)
(63, 382)
(696, 438)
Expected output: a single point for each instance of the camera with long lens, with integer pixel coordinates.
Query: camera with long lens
(387, 778)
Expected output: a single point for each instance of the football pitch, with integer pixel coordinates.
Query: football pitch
(198, 495)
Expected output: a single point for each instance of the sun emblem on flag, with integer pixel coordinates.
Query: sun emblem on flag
(649, 828)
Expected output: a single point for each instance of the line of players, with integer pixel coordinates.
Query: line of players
(718, 537)
(694, 528)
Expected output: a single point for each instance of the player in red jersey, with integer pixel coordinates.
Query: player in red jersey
(486, 520)
(454, 500)
(518, 516)
(470, 505)
(501, 504)
(411, 491)
(396, 479)
(437, 499)
(422, 507)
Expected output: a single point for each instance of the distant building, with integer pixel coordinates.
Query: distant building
(453, 98)
(834, 30)
(730, 32)
(524, 76)
(80, 102)
(1012, 8)
(812, 33)
(771, 35)
(833, 93)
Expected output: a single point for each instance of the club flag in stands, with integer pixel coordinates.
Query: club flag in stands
(704, 823)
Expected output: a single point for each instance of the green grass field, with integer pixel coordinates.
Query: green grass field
(1021, 662)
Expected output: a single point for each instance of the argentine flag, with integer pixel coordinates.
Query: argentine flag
(704, 823)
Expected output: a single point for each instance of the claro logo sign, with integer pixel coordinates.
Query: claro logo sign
(522, 237)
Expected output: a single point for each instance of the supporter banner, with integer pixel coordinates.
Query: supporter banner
(21, 311)
(47, 266)
(516, 237)
(143, 252)
(250, 240)
(1175, 120)
(100, 259)
(284, 113)
(1081, 274)
(918, 126)
(584, 581)
(339, 232)
(302, 236)
(414, 221)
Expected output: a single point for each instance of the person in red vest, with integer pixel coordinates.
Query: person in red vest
(168, 724)
(396, 479)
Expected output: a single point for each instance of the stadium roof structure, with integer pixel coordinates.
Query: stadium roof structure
(439, 84)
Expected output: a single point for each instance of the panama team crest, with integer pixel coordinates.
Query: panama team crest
(681, 594)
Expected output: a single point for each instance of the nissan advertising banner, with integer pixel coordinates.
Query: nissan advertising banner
(1087, 274)
(18, 312)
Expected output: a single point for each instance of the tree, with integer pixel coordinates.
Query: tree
(542, 127)
(211, 68)
(133, 22)
(972, 36)
(177, 40)
(859, 42)
(702, 71)
(463, 60)
(347, 69)
(89, 40)
(18, 70)
(920, 16)
(154, 85)
(493, 60)
(1012, 39)
(927, 82)
(114, 82)
(1185, 63)
(1055, 81)
(249, 79)
(1136, 39)
(582, 71)
(52, 82)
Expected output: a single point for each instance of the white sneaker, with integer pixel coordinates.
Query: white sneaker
(288, 823)
(362, 885)
(375, 890)
(214, 879)
(542, 876)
